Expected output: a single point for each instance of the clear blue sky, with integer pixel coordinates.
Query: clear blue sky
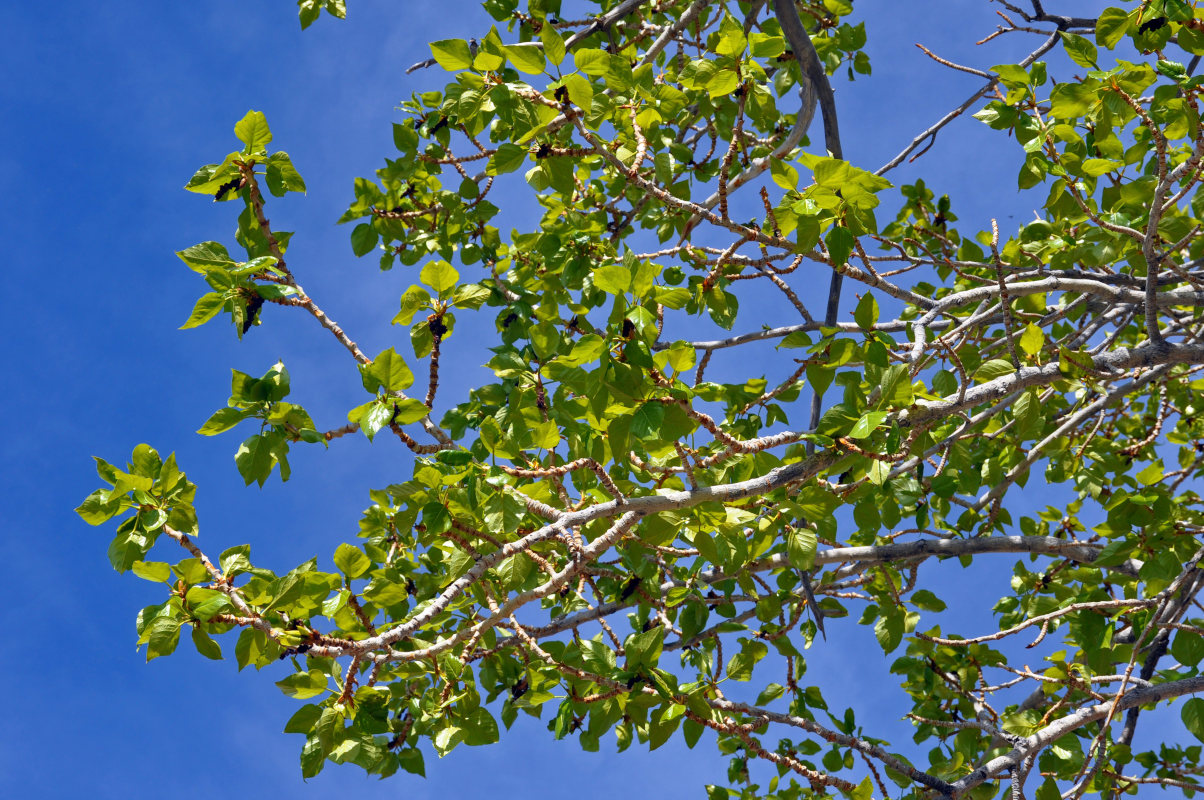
(107, 109)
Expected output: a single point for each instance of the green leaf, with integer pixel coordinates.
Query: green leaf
(508, 158)
(414, 300)
(1080, 50)
(1187, 647)
(927, 601)
(99, 507)
(363, 239)
(868, 423)
(205, 256)
(223, 420)
(446, 739)
(251, 648)
(1191, 40)
(313, 757)
(409, 410)
(351, 560)
(597, 656)
(411, 761)
(581, 91)
(644, 649)
(866, 313)
(526, 57)
(281, 176)
(896, 387)
(1172, 69)
(722, 83)
(553, 44)
(1032, 340)
(375, 416)
(840, 242)
(1115, 552)
(612, 278)
(1192, 715)
(254, 459)
(1100, 166)
(252, 130)
(647, 421)
(801, 546)
(816, 503)
(303, 719)
(470, 295)
(1011, 75)
(275, 382)
(995, 368)
(308, 11)
(304, 685)
(164, 636)
(731, 38)
(592, 62)
(1027, 413)
(763, 45)
(1071, 100)
(1048, 790)
(390, 371)
(1111, 25)
(452, 54)
(681, 356)
(490, 55)
(1150, 475)
(205, 645)
(889, 631)
(439, 275)
(480, 728)
(784, 175)
(740, 667)
(155, 571)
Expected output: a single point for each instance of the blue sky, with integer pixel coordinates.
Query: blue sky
(108, 108)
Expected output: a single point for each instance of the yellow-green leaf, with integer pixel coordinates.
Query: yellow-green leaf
(439, 275)
(452, 54)
(526, 57)
(1032, 340)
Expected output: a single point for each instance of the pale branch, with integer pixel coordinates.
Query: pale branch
(1139, 696)
(752, 234)
(1071, 423)
(303, 300)
(807, 98)
(672, 31)
(1103, 605)
(1118, 360)
(600, 556)
(861, 557)
(220, 581)
(603, 22)
(816, 76)
(1123, 358)
(1061, 20)
(932, 131)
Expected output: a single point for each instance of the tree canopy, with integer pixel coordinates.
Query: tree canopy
(638, 527)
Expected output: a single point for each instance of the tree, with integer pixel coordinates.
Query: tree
(608, 531)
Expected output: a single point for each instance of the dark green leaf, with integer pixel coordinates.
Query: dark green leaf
(840, 242)
(364, 239)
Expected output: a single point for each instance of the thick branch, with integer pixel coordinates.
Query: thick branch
(1140, 696)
